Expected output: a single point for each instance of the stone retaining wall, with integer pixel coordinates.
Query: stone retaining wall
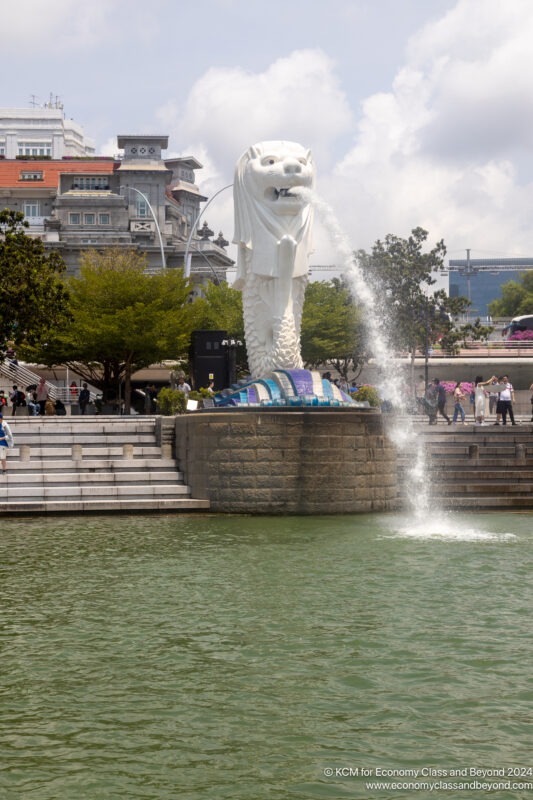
(288, 461)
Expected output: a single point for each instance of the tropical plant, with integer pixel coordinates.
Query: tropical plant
(368, 393)
(171, 401)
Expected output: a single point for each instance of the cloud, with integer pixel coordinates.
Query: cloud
(443, 148)
(296, 98)
(63, 25)
(447, 146)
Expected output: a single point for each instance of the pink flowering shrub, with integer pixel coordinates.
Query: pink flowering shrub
(449, 386)
(521, 336)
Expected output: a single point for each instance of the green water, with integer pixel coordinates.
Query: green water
(238, 658)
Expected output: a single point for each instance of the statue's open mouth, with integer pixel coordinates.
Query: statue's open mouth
(285, 193)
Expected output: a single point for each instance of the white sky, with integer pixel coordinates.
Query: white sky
(418, 112)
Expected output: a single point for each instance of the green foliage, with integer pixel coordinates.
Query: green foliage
(473, 331)
(516, 299)
(123, 319)
(368, 393)
(33, 298)
(171, 401)
(402, 274)
(400, 270)
(332, 331)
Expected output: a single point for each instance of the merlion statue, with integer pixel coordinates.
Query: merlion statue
(273, 222)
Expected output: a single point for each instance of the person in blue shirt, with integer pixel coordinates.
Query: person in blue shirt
(6, 440)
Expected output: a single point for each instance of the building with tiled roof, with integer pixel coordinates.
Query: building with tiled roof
(82, 203)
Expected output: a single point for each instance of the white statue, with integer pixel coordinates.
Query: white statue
(273, 222)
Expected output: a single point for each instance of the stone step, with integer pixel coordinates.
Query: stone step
(122, 465)
(476, 464)
(479, 502)
(20, 478)
(74, 424)
(85, 439)
(488, 450)
(109, 505)
(141, 451)
(478, 487)
(73, 492)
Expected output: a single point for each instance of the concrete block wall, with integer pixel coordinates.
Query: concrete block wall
(288, 461)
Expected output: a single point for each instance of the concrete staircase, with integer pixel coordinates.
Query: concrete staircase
(477, 467)
(99, 464)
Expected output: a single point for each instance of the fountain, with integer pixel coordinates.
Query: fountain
(287, 440)
(273, 232)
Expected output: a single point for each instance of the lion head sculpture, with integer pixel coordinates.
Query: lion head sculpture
(269, 205)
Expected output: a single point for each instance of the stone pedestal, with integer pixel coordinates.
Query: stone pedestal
(301, 461)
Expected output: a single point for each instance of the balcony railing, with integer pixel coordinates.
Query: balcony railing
(504, 349)
(35, 220)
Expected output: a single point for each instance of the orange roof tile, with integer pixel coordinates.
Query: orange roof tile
(10, 171)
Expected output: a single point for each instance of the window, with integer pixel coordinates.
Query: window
(31, 208)
(88, 219)
(90, 182)
(74, 219)
(34, 149)
(104, 219)
(2, 149)
(31, 176)
(142, 208)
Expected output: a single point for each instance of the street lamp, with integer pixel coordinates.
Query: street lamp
(133, 189)
(232, 345)
(187, 266)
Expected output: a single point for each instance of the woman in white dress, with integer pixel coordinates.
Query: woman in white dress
(481, 398)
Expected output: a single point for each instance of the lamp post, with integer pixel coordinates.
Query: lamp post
(133, 189)
(232, 345)
(186, 265)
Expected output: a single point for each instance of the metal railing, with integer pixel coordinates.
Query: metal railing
(22, 376)
(491, 349)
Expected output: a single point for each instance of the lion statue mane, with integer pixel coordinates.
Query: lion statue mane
(273, 222)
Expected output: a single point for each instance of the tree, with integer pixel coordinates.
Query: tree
(516, 299)
(123, 320)
(33, 298)
(401, 274)
(332, 331)
(221, 309)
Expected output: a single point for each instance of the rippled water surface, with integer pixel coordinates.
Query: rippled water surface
(238, 658)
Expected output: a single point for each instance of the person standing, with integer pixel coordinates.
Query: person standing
(480, 398)
(183, 386)
(430, 402)
(147, 400)
(6, 441)
(507, 400)
(42, 394)
(18, 399)
(441, 400)
(458, 409)
(84, 398)
(493, 399)
(531, 390)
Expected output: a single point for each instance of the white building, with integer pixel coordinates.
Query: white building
(41, 132)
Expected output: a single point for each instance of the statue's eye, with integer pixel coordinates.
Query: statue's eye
(269, 160)
(303, 161)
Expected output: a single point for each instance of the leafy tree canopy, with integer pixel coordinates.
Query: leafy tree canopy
(33, 298)
(123, 319)
(401, 274)
(332, 330)
(516, 299)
